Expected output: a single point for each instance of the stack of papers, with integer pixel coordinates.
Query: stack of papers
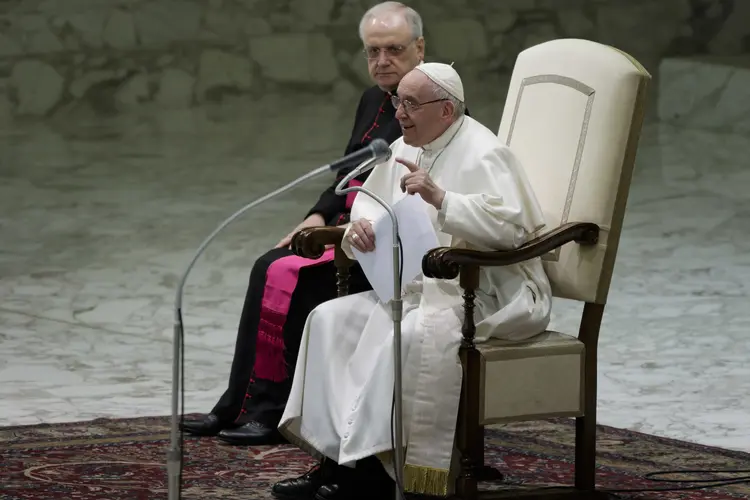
(417, 238)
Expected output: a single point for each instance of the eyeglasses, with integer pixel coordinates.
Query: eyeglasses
(410, 106)
(391, 51)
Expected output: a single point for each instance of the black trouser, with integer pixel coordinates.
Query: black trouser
(248, 398)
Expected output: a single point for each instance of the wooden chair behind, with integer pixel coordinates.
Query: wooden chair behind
(573, 116)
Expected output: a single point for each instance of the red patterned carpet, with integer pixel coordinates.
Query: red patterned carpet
(125, 460)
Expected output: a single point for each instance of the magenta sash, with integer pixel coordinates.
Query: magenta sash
(352, 194)
(281, 281)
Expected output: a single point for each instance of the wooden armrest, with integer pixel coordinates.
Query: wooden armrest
(446, 262)
(311, 242)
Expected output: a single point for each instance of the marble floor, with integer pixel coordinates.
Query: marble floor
(98, 221)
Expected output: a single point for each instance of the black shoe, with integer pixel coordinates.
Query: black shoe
(300, 488)
(252, 434)
(210, 425)
(367, 481)
(330, 492)
(353, 491)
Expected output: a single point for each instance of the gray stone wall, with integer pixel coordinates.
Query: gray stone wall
(104, 57)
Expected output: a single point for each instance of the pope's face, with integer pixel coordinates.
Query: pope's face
(391, 49)
(422, 117)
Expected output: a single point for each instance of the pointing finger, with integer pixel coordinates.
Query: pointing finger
(413, 167)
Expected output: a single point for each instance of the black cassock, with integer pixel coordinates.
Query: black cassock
(284, 289)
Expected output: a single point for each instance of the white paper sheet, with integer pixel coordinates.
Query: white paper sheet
(417, 238)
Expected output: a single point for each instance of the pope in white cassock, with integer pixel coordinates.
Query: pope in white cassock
(477, 196)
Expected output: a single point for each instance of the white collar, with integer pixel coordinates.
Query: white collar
(445, 137)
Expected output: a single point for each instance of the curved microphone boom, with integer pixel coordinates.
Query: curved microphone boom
(373, 152)
(363, 167)
(397, 309)
(378, 149)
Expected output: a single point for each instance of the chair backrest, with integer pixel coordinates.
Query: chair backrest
(573, 116)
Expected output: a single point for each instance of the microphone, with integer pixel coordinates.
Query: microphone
(366, 157)
(397, 308)
(370, 164)
(379, 156)
(376, 150)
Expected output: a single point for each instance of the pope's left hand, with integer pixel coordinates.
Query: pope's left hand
(419, 181)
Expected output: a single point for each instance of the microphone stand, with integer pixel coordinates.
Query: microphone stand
(397, 309)
(174, 455)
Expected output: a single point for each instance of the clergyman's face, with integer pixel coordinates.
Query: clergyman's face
(391, 50)
(422, 117)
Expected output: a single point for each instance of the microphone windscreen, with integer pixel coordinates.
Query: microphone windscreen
(380, 148)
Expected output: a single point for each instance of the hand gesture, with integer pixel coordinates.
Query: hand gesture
(361, 236)
(419, 181)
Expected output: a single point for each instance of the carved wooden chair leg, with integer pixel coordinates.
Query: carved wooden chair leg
(471, 453)
(470, 433)
(343, 271)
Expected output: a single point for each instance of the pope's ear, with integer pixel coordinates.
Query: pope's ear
(448, 109)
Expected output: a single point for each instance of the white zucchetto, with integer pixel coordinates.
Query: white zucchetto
(445, 76)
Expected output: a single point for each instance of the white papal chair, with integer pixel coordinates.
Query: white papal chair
(573, 116)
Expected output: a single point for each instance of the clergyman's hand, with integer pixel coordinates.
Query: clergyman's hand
(313, 220)
(419, 181)
(361, 236)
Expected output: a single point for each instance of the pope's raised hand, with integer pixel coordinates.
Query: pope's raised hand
(419, 181)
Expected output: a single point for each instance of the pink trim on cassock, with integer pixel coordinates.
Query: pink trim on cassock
(351, 195)
(281, 280)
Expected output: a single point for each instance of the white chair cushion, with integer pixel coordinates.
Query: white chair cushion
(539, 378)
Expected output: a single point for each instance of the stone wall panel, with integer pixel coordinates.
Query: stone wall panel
(218, 70)
(88, 25)
(133, 91)
(295, 57)
(124, 54)
(225, 23)
(36, 87)
(734, 35)
(118, 31)
(175, 88)
(164, 21)
(471, 46)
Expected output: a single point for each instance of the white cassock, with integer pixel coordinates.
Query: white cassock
(341, 399)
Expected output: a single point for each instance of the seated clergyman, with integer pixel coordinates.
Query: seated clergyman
(477, 196)
(284, 288)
